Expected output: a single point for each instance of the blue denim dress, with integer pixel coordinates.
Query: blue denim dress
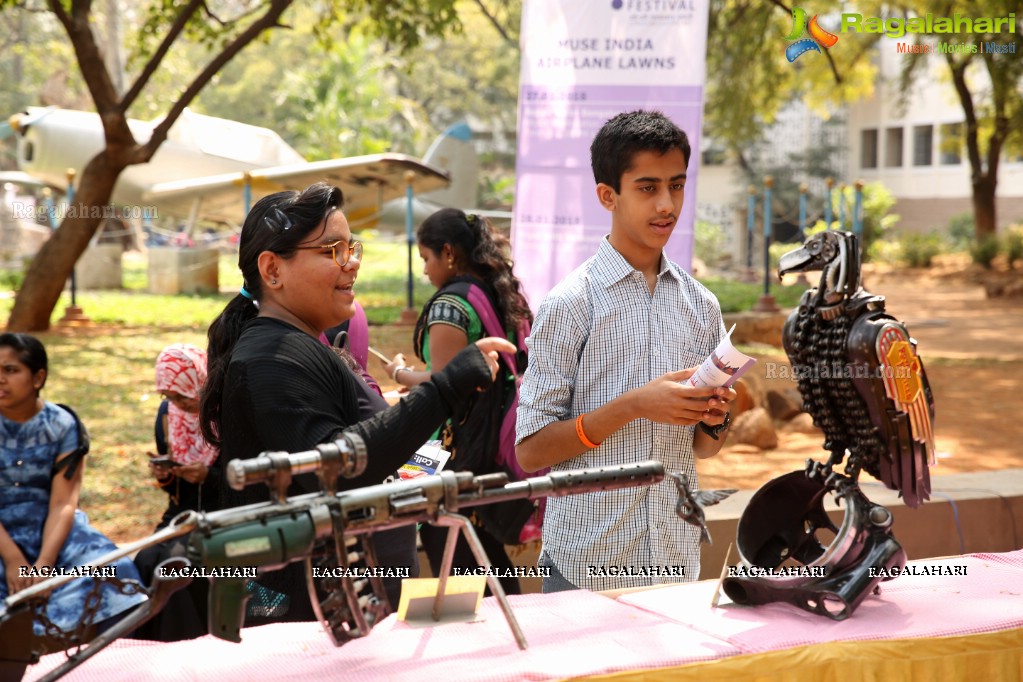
(27, 455)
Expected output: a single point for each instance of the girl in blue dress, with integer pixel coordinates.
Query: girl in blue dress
(41, 464)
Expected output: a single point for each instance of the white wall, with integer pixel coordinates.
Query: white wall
(927, 195)
(932, 102)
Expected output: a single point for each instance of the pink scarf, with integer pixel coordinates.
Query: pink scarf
(182, 368)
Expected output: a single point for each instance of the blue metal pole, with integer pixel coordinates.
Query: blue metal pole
(408, 232)
(768, 184)
(857, 218)
(751, 209)
(827, 203)
(802, 210)
(247, 193)
(841, 207)
(70, 202)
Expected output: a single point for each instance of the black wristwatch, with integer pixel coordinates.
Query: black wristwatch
(715, 431)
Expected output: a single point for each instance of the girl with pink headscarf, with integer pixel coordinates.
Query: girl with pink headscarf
(180, 375)
(187, 476)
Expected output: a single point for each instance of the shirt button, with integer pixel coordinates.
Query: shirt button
(16, 484)
(19, 463)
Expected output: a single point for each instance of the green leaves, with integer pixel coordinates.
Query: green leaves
(406, 22)
(749, 79)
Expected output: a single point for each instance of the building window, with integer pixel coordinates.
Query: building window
(923, 142)
(868, 148)
(713, 157)
(893, 147)
(951, 144)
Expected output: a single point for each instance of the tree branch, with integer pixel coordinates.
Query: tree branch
(1002, 129)
(497, 25)
(267, 21)
(157, 57)
(93, 69)
(81, 9)
(958, 71)
(62, 17)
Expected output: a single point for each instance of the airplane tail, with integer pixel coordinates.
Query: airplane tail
(455, 153)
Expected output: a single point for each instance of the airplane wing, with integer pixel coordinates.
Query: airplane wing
(367, 182)
(25, 180)
(391, 218)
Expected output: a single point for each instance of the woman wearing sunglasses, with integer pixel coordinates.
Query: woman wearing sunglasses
(272, 385)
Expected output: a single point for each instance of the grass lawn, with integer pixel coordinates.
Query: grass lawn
(105, 370)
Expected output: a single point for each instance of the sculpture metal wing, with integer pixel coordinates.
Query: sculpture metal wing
(860, 376)
(691, 503)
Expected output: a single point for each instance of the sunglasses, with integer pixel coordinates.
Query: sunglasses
(347, 252)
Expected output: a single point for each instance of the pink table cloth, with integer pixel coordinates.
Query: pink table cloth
(988, 598)
(578, 634)
(571, 633)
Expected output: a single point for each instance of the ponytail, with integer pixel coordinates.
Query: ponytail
(492, 257)
(220, 339)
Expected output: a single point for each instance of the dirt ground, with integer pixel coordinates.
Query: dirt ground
(972, 349)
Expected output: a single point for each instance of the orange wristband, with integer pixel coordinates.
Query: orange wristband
(582, 434)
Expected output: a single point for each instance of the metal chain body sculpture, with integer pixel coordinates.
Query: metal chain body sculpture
(865, 387)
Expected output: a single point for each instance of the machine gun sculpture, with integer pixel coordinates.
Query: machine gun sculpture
(865, 387)
(318, 528)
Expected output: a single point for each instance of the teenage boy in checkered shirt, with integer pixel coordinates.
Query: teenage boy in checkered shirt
(608, 349)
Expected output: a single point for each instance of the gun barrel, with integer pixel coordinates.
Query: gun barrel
(572, 482)
(347, 453)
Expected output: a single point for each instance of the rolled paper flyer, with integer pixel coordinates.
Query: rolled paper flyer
(723, 366)
(380, 356)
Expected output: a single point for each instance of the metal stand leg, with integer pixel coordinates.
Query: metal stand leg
(160, 592)
(454, 522)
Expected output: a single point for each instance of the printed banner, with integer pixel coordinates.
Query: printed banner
(583, 62)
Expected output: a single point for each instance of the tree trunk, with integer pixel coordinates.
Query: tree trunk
(984, 207)
(53, 264)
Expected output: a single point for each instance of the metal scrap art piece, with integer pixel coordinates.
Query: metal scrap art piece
(865, 387)
(690, 503)
(318, 529)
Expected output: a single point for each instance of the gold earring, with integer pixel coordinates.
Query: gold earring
(451, 265)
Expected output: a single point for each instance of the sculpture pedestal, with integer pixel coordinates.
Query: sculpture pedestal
(183, 270)
(408, 317)
(765, 304)
(100, 267)
(74, 316)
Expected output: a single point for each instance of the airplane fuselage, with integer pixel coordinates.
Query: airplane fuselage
(196, 146)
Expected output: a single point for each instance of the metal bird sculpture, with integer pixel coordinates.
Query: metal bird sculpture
(690, 504)
(865, 387)
(858, 371)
